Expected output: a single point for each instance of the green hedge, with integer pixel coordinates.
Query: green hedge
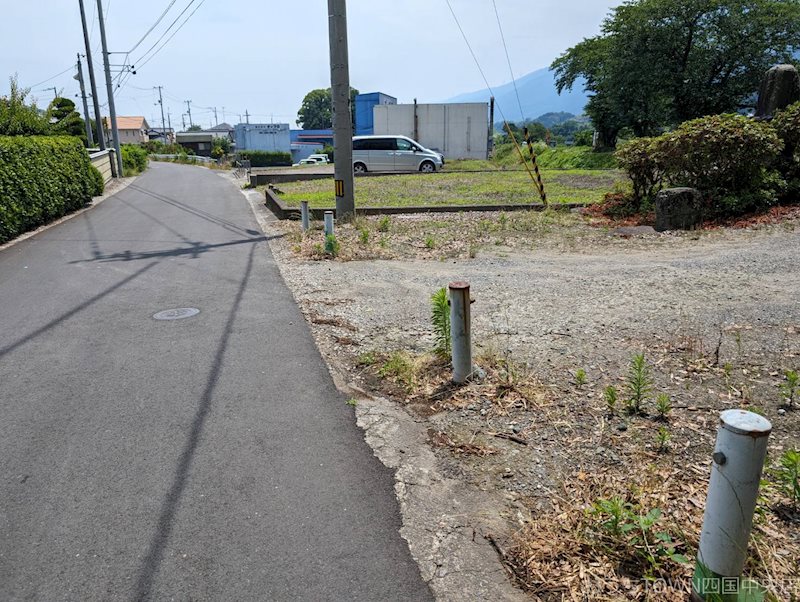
(266, 158)
(134, 159)
(41, 179)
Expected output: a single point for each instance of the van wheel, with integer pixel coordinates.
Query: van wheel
(359, 168)
(427, 167)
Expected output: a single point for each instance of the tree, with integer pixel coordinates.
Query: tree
(221, 146)
(18, 118)
(316, 111)
(66, 120)
(660, 62)
(194, 128)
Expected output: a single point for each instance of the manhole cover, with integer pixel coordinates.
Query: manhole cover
(177, 313)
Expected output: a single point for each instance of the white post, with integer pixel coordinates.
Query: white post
(328, 223)
(732, 492)
(304, 215)
(460, 331)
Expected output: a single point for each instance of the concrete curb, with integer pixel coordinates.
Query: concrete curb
(283, 211)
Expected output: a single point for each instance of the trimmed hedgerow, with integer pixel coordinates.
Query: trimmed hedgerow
(41, 178)
(266, 158)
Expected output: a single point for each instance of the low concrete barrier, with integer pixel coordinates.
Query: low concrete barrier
(105, 162)
(283, 211)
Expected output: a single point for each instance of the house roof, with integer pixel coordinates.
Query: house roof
(222, 127)
(132, 123)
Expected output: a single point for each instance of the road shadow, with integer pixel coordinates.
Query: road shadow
(152, 561)
(91, 301)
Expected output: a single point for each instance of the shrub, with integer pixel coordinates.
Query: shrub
(18, 118)
(440, 319)
(787, 126)
(41, 179)
(641, 159)
(134, 159)
(98, 184)
(266, 158)
(328, 150)
(727, 157)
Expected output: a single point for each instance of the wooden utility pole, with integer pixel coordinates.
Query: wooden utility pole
(342, 112)
(112, 112)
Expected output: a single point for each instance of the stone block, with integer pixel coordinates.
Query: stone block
(779, 88)
(678, 209)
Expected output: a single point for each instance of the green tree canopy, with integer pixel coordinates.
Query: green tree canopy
(18, 118)
(661, 62)
(65, 119)
(194, 128)
(316, 111)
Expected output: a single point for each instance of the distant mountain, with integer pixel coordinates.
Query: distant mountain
(537, 93)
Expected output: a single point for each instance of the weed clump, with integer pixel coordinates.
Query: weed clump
(440, 319)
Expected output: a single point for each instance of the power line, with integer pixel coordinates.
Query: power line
(508, 60)
(53, 77)
(166, 31)
(147, 33)
(173, 34)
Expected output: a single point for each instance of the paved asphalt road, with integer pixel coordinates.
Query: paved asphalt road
(208, 458)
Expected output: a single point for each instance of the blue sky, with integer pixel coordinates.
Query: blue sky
(264, 55)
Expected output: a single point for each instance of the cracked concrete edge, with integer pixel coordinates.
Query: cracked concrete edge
(449, 526)
(116, 185)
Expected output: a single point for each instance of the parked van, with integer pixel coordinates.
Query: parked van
(393, 153)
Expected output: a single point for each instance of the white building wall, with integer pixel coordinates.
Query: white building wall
(459, 131)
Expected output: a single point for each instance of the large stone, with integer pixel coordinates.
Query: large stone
(779, 88)
(678, 209)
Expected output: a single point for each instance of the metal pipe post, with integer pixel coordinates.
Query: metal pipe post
(460, 331)
(732, 492)
(329, 223)
(304, 216)
(109, 87)
(98, 118)
(342, 112)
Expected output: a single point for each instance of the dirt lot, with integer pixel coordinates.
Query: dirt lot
(561, 307)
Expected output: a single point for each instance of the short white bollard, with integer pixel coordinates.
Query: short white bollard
(328, 223)
(739, 456)
(304, 220)
(460, 331)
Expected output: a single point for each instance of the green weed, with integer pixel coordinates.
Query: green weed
(580, 377)
(788, 475)
(400, 367)
(610, 395)
(440, 319)
(384, 224)
(363, 236)
(790, 388)
(639, 384)
(663, 405)
(332, 246)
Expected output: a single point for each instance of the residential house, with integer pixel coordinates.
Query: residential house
(132, 130)
(165, 135)
(223, 130)
(200, 143)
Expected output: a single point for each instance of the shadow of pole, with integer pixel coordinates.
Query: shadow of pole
(28, 337)
(152, 561)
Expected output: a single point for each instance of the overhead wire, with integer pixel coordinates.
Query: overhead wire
(489, 87)
(152, 27)
(508, 60)
(166, 31)
(150, 58)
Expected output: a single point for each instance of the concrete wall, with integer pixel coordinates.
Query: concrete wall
(459, 131)
(263, 136)
(133, 136)
(102, 160)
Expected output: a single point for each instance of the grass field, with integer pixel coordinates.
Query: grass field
(561, 186)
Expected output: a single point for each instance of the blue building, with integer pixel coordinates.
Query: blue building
(263, 136)
(364, 125)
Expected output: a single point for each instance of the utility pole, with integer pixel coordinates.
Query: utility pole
(111, 110)
(55, 92)
(247, 115)
(216, 121)
(169, 125)
(79, 77)
(342, 116)
(98, 118)
(161, 104)
(223, 114)
(183, 120)
(189, 110)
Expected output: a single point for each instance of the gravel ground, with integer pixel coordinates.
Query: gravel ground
(715, 312)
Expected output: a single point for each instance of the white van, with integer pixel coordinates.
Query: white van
(393, 153)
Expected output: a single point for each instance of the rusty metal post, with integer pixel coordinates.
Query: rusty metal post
(732, 492)
(460, 331)
(304, 216)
